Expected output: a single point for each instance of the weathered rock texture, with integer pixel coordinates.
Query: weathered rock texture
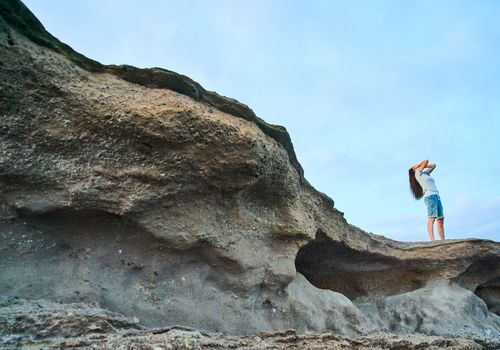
(39, 324)
(139, 190)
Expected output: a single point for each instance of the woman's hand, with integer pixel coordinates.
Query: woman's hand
(421, 166)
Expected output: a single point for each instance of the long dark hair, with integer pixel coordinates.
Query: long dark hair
(415, 187)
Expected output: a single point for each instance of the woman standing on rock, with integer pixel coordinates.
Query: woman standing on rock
(422, 184)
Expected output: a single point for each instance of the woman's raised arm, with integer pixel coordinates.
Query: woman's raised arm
(431, 167)
(421, 166)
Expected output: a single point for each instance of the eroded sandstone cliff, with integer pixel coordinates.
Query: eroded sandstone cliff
(139, 190)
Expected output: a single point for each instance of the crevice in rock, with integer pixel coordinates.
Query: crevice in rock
(479, 271)
(490, 293)
(329, 264)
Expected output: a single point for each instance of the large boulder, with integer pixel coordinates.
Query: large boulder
(440, 308)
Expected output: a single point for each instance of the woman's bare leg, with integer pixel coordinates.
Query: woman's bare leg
(430, 228)
(440, 227)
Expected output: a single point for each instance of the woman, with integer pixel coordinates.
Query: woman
(422, 184)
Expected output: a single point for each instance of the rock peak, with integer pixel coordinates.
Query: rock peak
(19, 17)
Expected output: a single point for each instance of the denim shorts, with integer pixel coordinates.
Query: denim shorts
(434, 206)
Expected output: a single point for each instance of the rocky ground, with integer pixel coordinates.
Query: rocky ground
(139, 201)
(47, 325)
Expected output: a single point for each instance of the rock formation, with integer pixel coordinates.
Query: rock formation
(140, 191)
(39, 324)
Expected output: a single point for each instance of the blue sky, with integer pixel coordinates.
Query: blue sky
(365, 88)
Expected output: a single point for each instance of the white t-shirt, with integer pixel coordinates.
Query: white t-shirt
(426, 182)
